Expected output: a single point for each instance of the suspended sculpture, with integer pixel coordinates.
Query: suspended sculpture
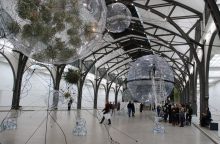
(118, 18)
(140, 78)
(53, 31)
(126, 96)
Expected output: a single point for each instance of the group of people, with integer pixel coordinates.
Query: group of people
(176, 114)
(181, 115)
(131, 109)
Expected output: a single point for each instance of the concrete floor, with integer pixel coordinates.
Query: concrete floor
(31, 128)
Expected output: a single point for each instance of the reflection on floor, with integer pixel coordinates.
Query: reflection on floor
(31, 129)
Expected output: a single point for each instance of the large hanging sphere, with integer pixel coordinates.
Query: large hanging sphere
(118, 18)
(140, 78)
(53, 31)
(126, 96)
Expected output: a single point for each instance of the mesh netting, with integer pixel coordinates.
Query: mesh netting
(140, 77)
(53, 31)
(118, 17)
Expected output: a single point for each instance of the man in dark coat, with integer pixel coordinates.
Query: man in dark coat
(106, 111)
(132, 109)
(129, 106)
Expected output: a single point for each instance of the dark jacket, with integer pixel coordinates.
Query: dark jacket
(107, 108)
(133, 108)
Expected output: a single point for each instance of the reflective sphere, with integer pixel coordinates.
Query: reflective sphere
(140, 77)
(53, 31)
(118, 17)
(126, 96)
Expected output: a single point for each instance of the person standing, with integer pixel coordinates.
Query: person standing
(189, 112)
(154, 70)
(141, 107)
(129, 106)
(158, 110)
(106, 114)
(166, 111)
(182, 116)
(206, 118)
(132, 109)
(70, 103)
(118, 106)
(113, 108)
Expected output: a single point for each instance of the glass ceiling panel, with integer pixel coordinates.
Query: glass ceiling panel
(6, 43)
(215, 61)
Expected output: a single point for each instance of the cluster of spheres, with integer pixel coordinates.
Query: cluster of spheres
(53, 31)
(59, 31)
(150, 77)
(118, 18)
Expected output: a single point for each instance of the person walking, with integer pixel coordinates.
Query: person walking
(141, 107)
(106, 114)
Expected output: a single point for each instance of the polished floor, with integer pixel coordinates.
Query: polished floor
(31, 129)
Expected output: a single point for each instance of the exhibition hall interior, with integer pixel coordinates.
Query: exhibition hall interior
(109, 71)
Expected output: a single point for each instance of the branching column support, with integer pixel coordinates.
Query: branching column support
(215, 12)
(109, 84)
(191, 88)
(18, 80)
(183, 100)
(83, 73)
(79, 98)
(96, 87)
(117, 89)
(194, 96)
(203, 97)
(108, 87)
(80, 85)
(203, 86)
(187, 93)
(58, 76)
(183, 95)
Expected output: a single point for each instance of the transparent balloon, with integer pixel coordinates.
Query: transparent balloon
(118, 18)
(140, 79)
(53, 31)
